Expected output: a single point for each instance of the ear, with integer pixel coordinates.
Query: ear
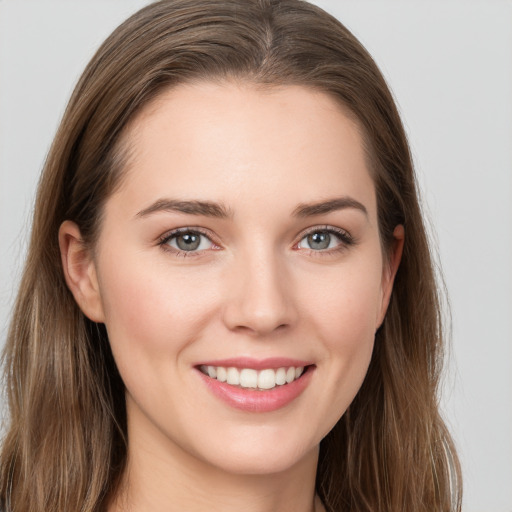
(80, 271)
(390, 269)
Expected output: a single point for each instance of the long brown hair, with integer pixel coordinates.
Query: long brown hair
(65, 448)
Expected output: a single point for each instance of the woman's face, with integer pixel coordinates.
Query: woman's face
(243, 242)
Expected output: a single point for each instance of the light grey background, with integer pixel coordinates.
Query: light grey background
(449, 64)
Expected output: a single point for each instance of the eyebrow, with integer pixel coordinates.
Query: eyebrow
(206, 208)
(217, 210)
(331, 205)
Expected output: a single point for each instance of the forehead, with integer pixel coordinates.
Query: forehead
(241, 142)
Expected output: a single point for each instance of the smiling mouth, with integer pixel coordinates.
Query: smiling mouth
(248, 378)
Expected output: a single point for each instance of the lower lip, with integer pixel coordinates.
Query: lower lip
(254, 400)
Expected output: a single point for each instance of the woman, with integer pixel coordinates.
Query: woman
(229, 299)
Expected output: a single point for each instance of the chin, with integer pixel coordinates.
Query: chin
(261, 456)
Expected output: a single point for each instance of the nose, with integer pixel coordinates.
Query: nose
(260, 297)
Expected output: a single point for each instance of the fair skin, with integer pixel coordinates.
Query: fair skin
(285, 261)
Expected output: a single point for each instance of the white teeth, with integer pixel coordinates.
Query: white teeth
(250, 378)
(281, 376)
(222, 374)
(233, 376)
(267, 379)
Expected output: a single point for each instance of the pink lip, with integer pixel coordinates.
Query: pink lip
(253, 400)
(256, 364)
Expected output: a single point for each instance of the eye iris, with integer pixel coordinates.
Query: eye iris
(319, 240)
(188, 241)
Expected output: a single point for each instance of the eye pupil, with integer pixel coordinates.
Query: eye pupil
(319, 240)
(188, 241)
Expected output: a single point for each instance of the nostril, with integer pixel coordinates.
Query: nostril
(258, 302)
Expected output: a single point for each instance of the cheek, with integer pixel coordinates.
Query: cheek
(343, 315)
(345, 305)
(149, 310)
(347, 329)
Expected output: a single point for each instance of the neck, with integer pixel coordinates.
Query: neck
(162, 486)
(157, 480)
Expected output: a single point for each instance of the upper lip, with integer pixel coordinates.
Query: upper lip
(257, 364)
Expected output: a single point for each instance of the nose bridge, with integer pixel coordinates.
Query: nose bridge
(260, 298)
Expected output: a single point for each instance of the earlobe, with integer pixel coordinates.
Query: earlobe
(390, 270)
(80, 271)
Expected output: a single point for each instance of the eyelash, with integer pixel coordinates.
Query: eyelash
(346, 240)
(344, 237)
(164, 240)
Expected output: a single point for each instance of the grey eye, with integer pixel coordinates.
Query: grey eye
(189, 241)
(319, 240)
(323, 239)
